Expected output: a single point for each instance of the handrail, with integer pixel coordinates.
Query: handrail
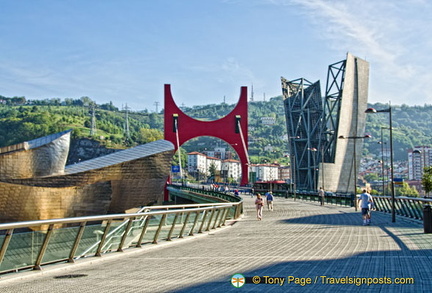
(113, 233)
(60, 245)
(405, 206)
(411, 207)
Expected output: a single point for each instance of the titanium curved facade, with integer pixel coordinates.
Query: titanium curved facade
(109, 184)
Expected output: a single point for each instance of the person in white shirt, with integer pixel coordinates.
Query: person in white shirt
(366, 201)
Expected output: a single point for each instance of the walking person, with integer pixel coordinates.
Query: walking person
(259, 204)
(321, 194)
(269, 199)
(366, 202)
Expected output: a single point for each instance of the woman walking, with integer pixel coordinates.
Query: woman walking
(259, 203)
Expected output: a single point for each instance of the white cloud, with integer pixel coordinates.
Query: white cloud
(391, 35)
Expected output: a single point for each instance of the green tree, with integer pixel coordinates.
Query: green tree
(406, 190)
(149, 135)
(427, 179)
(371, 177)
(212, 169)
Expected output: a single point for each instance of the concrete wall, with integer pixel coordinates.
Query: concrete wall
(340, 176)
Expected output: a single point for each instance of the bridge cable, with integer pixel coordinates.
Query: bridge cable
(178, 148)
(243, 143)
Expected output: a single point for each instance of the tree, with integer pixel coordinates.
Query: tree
(427, 179)
(406, 190)
(148, 135)
(212, 169)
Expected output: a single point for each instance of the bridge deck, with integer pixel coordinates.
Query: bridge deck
(297, 240)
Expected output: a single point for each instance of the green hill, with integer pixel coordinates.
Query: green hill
(23, 120)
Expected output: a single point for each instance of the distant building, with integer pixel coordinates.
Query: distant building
(284, 173)
(268, 148)
(418, 158)
(266, 172)
(197, 163)
(231, 169)
(268, 120)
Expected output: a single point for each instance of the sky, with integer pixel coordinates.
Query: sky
(125, 51)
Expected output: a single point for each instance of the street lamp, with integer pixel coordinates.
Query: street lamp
(292, 165)
(355, 163)
(382, 159)
(314, 168)
(389, 110)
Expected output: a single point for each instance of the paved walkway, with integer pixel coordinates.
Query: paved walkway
(307, 246)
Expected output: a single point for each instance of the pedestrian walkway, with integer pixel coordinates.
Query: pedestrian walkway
(299, 247)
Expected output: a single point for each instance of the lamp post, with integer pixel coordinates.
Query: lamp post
(292, 165)
(389, 110)
(382, 159)
(314, 168)
(354, 163)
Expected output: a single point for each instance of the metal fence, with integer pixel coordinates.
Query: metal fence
(410, 207)
(32, 244)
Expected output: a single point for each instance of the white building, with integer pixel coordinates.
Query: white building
(197, 163)
(418, 158)
(231, 169)
(267, 172)
(268, 120)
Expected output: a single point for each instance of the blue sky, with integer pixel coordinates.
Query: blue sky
(125, 51)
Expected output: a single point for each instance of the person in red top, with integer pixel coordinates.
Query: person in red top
(259, 203)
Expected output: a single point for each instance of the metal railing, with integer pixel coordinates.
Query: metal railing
(50, 242)
(411, 207)
(336, 199)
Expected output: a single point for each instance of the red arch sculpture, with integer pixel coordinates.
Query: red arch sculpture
(225, 128)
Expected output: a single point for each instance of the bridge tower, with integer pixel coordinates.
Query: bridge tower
(233, 128)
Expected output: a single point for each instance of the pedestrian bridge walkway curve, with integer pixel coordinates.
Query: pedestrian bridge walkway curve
(299, 247)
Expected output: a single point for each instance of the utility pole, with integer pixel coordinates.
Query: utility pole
(126, 128)
(93, 119)
(156, 104)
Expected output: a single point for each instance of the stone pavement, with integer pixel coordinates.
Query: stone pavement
(307, 246)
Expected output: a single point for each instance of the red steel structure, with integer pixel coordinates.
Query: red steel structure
(233, 128)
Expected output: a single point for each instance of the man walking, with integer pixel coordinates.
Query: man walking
(321, 194)
(269, 197)
(366, 201)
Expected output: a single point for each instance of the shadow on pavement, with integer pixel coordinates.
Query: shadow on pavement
(381, 269)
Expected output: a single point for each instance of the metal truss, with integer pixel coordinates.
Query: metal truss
(312, 123)
(332, 108)
(304, 113)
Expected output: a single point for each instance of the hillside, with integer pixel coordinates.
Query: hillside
(25, 120)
